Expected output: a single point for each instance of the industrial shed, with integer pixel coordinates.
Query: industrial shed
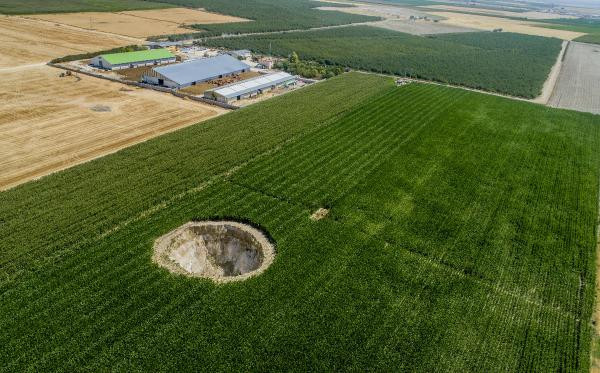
(240, 54)
(191, 72)
(250, 87)
(126, 60)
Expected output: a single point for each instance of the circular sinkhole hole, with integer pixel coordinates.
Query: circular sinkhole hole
(222, 251)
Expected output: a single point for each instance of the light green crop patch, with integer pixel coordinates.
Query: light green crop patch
(137, 56)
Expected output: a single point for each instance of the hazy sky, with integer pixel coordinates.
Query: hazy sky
(587, 3)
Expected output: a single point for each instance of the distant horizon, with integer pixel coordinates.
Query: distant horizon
(581, 3)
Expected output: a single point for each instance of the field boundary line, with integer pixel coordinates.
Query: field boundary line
(595, 342)
(550, 83)
(457, 272)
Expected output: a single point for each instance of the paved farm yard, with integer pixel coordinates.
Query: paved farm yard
(578, 85)
(460, 237)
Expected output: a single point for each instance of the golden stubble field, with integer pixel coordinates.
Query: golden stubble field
(139, 23)
(26, 41)
(489, 23)
(48, 123)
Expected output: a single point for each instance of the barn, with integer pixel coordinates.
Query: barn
(126, 60)
(191, 72)
(250, 87)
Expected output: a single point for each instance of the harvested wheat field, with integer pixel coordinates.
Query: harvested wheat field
(139, 23)
(48, 123)
(26, 41)
(398, 19)
(508, 25)
(495, 12)
(578, 84)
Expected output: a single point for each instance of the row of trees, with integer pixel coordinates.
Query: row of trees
(508, 63)
(308, 69)
(269, 15)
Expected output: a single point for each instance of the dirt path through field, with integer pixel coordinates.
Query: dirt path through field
(550, 82)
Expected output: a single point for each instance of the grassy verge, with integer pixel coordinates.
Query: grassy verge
(83, 56)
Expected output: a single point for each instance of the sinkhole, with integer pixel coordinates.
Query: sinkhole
(222, 251)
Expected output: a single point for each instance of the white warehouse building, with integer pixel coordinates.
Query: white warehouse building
(250, 87)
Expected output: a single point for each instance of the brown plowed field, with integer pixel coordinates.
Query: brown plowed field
(48, 123)
(139, 23)
(578, 84)
(26, 41)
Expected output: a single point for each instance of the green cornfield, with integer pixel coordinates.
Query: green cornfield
(460, 237)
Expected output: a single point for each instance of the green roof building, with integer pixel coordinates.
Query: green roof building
(127, 60)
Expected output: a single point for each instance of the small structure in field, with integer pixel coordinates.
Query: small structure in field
(267, 62)
(192, 72)
(126, 60)
(240, 54)
(250, 87)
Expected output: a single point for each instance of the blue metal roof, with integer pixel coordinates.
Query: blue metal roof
(252, 84)
(201, 69)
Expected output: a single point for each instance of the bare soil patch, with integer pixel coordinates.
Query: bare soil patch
(578, 84)
(550, 82)
(48, 123)
(398, 19)
(133, 74)
(199, 89)
(26, 41)
(321, 213)
(489, 23)
(222, 251)
(139, 23)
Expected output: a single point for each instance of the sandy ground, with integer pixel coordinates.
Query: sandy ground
(139, 23)
(508, 25)
(48, 123)
(420, 27)
(492, 12)
(578, 84)
(397, 19)
(26, 41)
(550, 82)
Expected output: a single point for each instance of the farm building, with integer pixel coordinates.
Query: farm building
(192, 72)
(267, 62)
(250, 87)
(242, 53)
(125, 60)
